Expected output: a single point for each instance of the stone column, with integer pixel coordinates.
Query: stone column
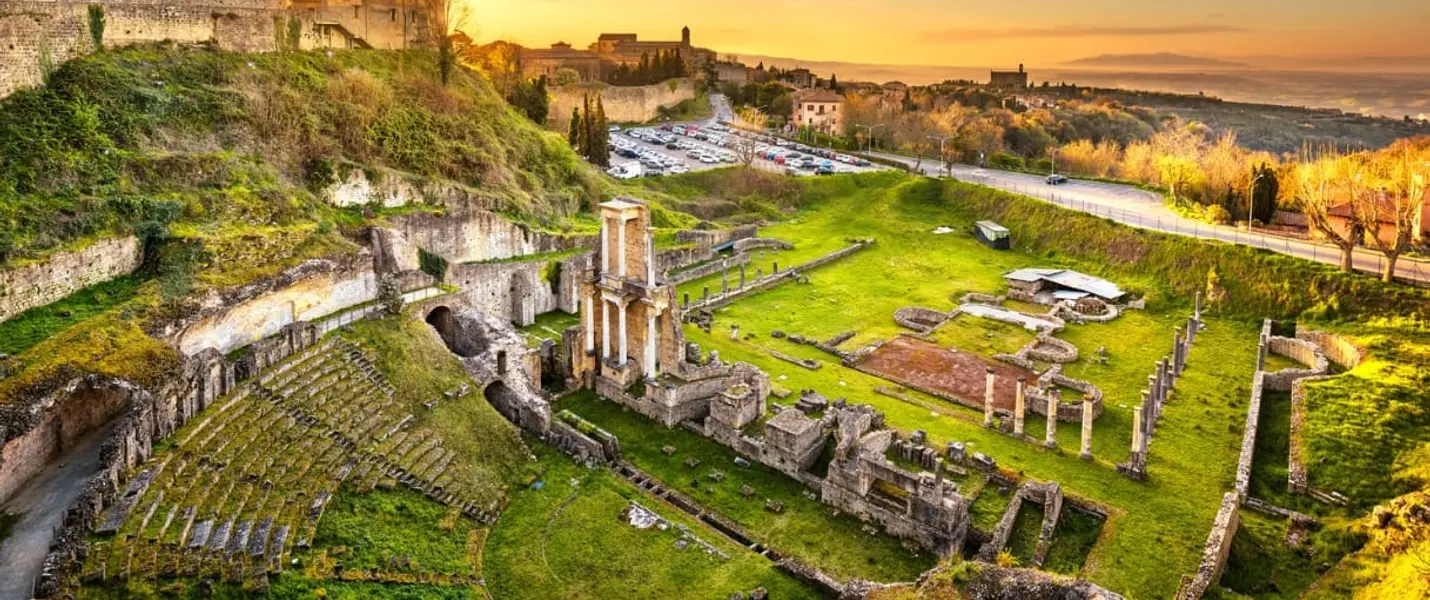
(625, 355)
(742, 276)
(724, 276)
(590, 324)
(1198, 314)
(1149, 412)
(1137, 433)
(1086, 452)
(605, 329)
(1154, 383)
(1018, 408)
(621, 249)
(777, 269)
(1050, 439)
(650, 335)
(1176, 350)
(650, 260)
(988, 399)
(1192, 326)
(605, 248)
(686, 305)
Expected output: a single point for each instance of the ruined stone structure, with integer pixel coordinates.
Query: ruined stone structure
(37, 34)
(65, 273)
(623, 104)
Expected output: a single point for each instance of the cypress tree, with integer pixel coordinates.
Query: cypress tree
(573, 131)
(601, 152)
(586, 127)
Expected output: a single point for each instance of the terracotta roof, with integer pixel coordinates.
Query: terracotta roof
(821, 96)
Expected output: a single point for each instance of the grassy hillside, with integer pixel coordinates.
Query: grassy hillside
(214, 160)
(237, 141)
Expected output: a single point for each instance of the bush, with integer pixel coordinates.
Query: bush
(432, 264)
(1217, 214)
(1003, 160)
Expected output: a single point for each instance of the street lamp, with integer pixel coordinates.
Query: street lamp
(942, 164)
(1251, 200)
(871, 129)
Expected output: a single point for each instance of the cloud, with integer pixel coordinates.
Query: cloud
(1074, 31)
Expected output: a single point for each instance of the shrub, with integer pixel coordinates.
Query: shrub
(432, 264)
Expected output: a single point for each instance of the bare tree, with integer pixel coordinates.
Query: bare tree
(445, 18)
(1328, 182)
(1397, 203)
(745, 149)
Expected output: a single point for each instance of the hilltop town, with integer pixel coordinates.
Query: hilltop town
(316, 300)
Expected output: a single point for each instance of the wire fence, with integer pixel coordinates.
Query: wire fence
(1407, 270)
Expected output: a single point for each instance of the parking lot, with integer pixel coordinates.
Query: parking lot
(684, 147)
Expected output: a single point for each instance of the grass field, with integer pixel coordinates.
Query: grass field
(1192, 457)
(28, 328)
(567, 540)
(806, 529)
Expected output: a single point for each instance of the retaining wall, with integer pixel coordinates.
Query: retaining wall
(65, 273)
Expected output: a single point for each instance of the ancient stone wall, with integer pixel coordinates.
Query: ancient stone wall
(1216, 550)
(714, 266)
(65, 273)
(1301, 351)
(38, 33)
(623, 104)
(1338, 349)
(315, 289)
(464, 236)
(520, 290)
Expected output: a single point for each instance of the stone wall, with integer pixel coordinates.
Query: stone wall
(1338, 349)
(520, 290)
(475, 235)
(65, 273)
(34, 33)
(1301, 351)
(623, 104)
(317, 288)
(1215, 552)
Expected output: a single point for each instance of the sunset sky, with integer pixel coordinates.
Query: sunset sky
(959, 33)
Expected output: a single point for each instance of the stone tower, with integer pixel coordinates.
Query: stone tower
(628, 326)
(685, 36)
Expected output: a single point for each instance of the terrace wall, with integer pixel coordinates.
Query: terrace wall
(65, 273)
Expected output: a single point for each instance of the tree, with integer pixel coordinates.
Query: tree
(573, 131)
(834, 83)
(1402, 182)
(1177, 173)
(587, 126)
(565, 76)
(745, 149)
(782, 106)
(1265, 189)
(445, 18)
(601, 136)
(1327, 182)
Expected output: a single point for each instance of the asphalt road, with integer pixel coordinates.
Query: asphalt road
(1140, 208)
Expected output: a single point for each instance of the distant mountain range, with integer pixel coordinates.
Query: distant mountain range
(1160, 60)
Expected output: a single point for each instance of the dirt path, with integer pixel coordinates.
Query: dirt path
(41, 504)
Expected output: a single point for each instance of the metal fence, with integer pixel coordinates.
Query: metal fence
(353, 315)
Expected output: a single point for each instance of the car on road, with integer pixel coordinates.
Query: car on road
(1056, 179)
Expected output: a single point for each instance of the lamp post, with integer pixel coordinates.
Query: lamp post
(942, 164)
(871, 129)
(1251, 200)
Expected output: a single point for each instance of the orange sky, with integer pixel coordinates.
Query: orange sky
(960, 33)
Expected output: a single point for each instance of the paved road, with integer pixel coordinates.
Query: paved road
(41, 504)
(1140, 208)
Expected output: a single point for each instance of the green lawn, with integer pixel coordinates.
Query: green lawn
(1192, 457)
(28, 328)
(567, 540)
(1076, 534)
(806, 529)
(1023, 542)
(395, 531)
(549, 326)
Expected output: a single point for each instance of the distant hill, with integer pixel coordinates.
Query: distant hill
(1160, 60)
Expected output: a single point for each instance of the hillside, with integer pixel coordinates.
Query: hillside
(223, 142)
(1160, 60)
